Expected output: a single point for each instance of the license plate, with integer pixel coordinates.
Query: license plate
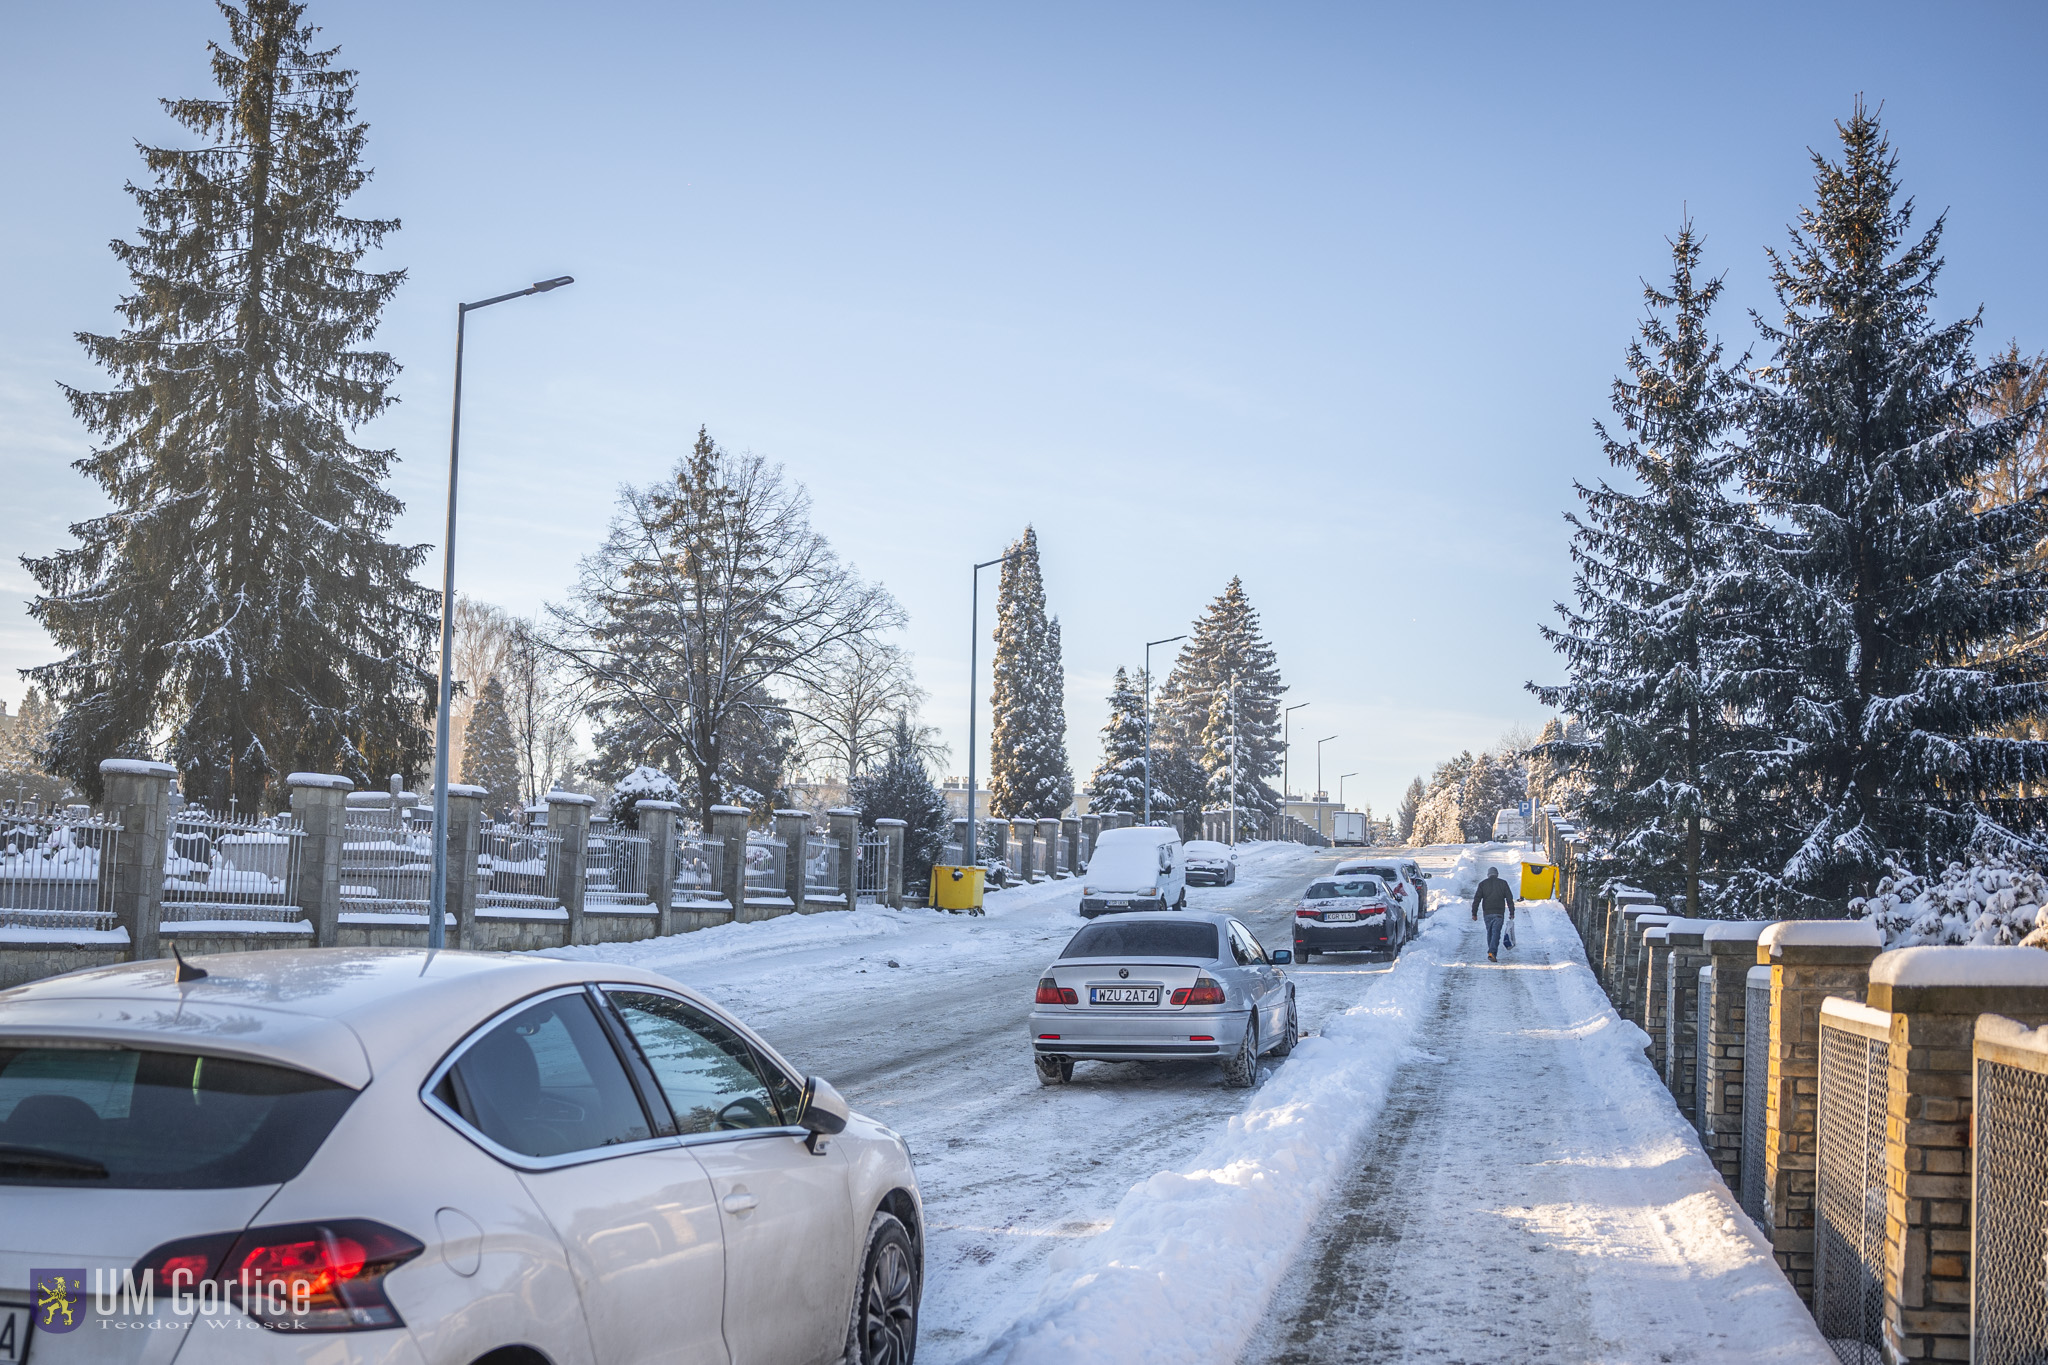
(15, 1319)
(1123, 995)
(1340, 916)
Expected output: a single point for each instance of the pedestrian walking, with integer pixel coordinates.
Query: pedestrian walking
(1497, 901)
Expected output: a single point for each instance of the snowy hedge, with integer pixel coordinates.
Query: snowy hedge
(1993, 901)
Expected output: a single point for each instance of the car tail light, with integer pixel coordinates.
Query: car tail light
(1203, 992)
(1051, 992)
(1201, 1038)
(295, 1277)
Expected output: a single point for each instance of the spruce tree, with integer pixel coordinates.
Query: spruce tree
(240, 599)
(490, 758)
(1028, 772)
(1404, 815)
(1892, 715)
(1118, 786)
(1227, 647)
(1661, 622)
(901, 789)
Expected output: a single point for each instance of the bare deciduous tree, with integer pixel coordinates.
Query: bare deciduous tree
(847, 716)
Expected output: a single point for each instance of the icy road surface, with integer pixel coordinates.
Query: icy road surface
(1147, 1209)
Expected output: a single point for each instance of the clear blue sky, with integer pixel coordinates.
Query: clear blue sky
(1322, 295)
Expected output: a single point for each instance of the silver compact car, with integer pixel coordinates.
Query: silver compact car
(396, 1157)
(1163, 987)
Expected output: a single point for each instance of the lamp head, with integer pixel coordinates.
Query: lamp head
(543, 286)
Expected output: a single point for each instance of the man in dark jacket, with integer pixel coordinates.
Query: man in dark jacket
(1498, 901)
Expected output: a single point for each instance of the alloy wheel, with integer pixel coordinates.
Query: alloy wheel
(888, 1331)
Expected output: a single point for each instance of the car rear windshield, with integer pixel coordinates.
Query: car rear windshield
(1344, 888)
(122, 1118)
(1144, 938)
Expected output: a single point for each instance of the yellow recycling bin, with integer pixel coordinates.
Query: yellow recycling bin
(956, 888)
(1539, 882)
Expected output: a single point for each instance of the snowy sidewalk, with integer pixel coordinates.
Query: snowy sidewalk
(1531, 1194)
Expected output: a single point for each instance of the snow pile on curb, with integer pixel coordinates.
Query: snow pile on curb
(1462, 881)
(1192, 1257)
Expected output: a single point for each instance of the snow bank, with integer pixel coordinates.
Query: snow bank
(1961, 966)
(1462, 881)
(1192, 1257)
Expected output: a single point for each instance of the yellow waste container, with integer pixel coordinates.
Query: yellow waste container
(1539, 882)
(956, 888)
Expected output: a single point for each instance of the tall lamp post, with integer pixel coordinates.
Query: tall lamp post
(1340, 790)
(972, 853)
(1286, 786)
(1322, 792)
(1148, 719)
(437, 896)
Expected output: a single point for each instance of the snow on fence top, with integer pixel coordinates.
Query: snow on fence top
(330, 781)
(1657, 932)
(1822, 933)
(1961, 966)
(1678, 924)
(141, 767)
(1736, 930)
(1854, 1013)
(559, 797)
(1759, 975)
(1996, 1028)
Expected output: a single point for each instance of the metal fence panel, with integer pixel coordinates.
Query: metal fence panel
(821, 865)
(519, 868)
(56, 869)
(767, 866)
(616, 870)
(2008, 1243)
(1849, 1194)
(231, 867)
(871, 874)
(1756, 1047)
(387, 863)
(700, 866)
(1703, 1018)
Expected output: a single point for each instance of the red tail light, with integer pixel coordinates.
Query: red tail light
(1203, 992)
(295, 1277)
(1051, 992)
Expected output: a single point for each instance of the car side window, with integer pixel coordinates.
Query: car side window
(546, 1082)
(1244, 946)
(712, 1079)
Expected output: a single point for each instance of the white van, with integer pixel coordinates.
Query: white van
(1141, 868)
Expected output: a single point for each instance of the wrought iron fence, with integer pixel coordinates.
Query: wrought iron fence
(1756, 1074)
(519, 867)
(615, 870)
(821, 865)
(56, 869)
(231, 867)
(1702, 1026)
(767, 866)
(871, 873)
(1849, 1189)
(1014, 856)
(2008, 1242)
(387, 862)
(700, 864)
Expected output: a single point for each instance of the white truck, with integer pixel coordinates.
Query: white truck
(1347, 828)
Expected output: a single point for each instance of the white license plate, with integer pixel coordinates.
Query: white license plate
(1340, 916)
(1123, 995)
(15, 1319)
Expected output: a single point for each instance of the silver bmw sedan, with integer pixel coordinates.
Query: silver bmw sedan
(1164, 987)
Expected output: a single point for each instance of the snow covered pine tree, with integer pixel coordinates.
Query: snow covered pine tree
(490, 758)
(1659, 619)
(240, 598)
(1226, 646)
(901, 789)
(1118, 786)
(1868, 436)
(1028, 772)
(1404, 815)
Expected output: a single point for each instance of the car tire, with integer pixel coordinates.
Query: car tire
(1292, 1035)
(1053, 1070)
(1301, 952)
(883, 1330)
(1241, 1071)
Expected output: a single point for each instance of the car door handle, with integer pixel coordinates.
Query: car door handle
(739, 1202)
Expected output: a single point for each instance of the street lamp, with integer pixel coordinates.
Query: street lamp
(972, 853)
(1322, 792)
(1340, 790)
(437, 902)
(1148, 719)
(1286, 786)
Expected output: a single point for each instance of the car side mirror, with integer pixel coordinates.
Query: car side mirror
(1282, 956)
(822, 1111)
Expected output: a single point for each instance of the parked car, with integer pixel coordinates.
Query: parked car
(1348, 913)
(1163, 987)
(1210, 863)
(1404, 878)
(1142, 867)
(416, 1158)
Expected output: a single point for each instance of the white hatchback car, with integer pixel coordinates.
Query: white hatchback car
(414, 1158)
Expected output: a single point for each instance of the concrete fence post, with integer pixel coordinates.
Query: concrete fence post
(1626, 940)
(1809, 961)
(1652, 917)
(658, 826)
(1656, 988)
(1070, 839)
(843, 824)
(1001, 836)
(1091, 830)
(569, 819)
(1688, 953)
(793, 827)
(1025, 833)
(1928, 1128)
(729, 829)
(465, 842)
(138, 798)
(1731, 952)
(892, 880)
(1049, 845)
(320, 802)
